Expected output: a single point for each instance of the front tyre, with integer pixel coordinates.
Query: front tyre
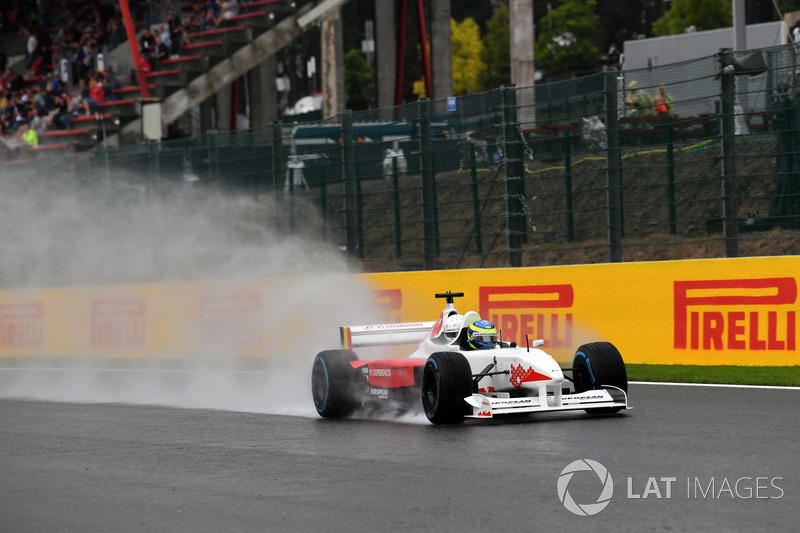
(597, 364)
(334, 383)
(446, 381)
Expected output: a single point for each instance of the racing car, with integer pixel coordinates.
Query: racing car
(461, 368)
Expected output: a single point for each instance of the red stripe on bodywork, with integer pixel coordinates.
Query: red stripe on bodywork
(392, 373)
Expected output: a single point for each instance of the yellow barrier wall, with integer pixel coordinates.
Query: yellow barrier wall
(718, 311)
(704, 312)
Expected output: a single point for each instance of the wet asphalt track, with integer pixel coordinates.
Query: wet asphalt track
(71, 467)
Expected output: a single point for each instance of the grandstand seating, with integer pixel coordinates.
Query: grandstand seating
(204, 49)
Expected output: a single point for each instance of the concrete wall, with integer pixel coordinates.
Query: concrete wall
(657, 51)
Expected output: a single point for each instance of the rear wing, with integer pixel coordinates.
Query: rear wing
(384, 334)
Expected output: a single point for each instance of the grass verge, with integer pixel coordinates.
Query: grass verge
(738, 375)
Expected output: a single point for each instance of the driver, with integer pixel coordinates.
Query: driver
(481, 335)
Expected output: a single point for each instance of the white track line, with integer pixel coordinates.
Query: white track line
(722, 385)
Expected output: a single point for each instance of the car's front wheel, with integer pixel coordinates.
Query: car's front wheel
(597, 364)
(334, 383)
(446, 381)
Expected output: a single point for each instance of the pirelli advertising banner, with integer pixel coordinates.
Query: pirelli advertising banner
(703, 312)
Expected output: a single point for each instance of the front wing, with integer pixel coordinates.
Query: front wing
(485, 406)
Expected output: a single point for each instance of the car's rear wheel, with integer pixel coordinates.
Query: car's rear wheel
(446, 381)
(334, 383)
(597, 364)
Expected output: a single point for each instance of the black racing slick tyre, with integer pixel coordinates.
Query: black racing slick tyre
(334, 383)
(446, 381)
(597, 364)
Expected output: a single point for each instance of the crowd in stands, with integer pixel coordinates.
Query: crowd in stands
(34, 96)
(37, 96)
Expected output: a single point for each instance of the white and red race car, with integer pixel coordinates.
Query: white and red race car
(455, 381)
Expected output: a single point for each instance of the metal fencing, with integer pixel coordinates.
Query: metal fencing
(692, 160)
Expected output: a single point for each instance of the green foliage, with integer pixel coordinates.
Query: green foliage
(566, 38)
(740, 375)
(787, 6)
(358, 81)
(466, 56)
(496, 54)
(705, 15)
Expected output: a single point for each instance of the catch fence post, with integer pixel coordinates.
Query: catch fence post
(278, 172)
(673, 222)
(398, 247)
(513, 177)
(568, 185)
(429, 244)
(350, 186)
(730, 228)
(359, 214)
(475, 201)
(613, 171)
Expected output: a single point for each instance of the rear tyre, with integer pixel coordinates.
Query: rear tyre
(446, 381)
(334, 383)
(597, 364)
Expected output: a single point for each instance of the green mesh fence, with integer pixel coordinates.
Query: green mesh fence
(601, 168)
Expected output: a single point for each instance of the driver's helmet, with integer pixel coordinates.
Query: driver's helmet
(482, 334)
(452, 326)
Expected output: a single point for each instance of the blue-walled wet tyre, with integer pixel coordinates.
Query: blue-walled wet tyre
(446, 381)
(597, 364)
(335, 383)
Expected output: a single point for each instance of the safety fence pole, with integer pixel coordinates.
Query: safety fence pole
(513, 177)
(429, 222)
(568, 185)
(290, 189)
(278, 172)
(475, 200)
(673, 222)
(323, 205)
(730, 226)
(359, 213)
(613, 171)
(398, 246)
(350, 186)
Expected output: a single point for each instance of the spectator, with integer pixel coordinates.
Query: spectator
(638, 103)
(210, 18)
(32, 49)
(16, 81)
(663, 103)
(83, 62)
(229, 9)
(166, 39)
(36, 122)
(110, 84)
(175, 32)
(76, 105)
(54, 86)
(116, 33)
(162, 52)
(28, 136)
(96, 90)
(62, 106)
(147, 44)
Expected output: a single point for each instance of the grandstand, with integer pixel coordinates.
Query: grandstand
(78, 44)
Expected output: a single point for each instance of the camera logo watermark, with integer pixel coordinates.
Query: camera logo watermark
(586, 509)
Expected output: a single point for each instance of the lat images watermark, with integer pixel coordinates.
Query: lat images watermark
(586, 509)
(658, 487)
